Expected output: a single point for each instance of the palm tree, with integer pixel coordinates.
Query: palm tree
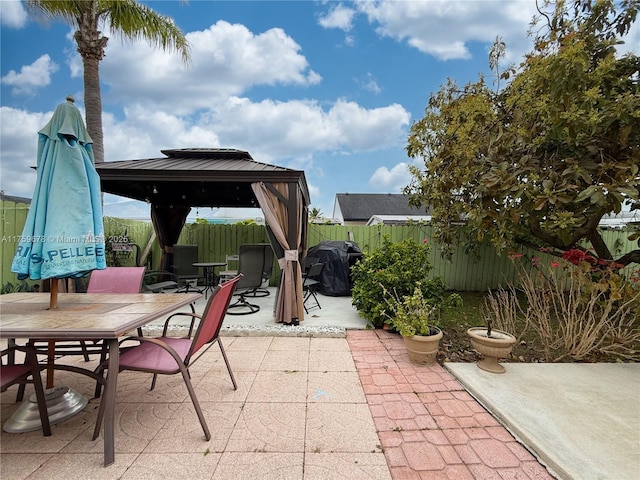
(126, 18)
(315, 214)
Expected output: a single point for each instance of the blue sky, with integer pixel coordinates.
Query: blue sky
(327, 87)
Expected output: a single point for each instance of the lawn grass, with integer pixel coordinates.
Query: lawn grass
(466, 315)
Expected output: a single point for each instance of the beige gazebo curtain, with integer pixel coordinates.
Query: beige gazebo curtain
(284, 211)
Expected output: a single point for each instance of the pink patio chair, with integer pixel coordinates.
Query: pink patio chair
(110, 280)
(172, 355)
(114, 280)
(11, 374)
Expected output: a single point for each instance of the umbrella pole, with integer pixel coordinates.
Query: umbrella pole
(51, 350)
(53, 304)
(53, 299)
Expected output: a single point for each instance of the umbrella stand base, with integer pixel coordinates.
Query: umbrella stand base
(62, 403)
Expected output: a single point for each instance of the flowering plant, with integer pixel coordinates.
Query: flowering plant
(579, 306)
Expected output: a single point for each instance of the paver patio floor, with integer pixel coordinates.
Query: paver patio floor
(305, 408)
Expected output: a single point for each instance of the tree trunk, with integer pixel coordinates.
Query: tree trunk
(93, 105)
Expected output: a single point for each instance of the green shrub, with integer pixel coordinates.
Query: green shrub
(18, 287)
(396, 267)
(412, 314)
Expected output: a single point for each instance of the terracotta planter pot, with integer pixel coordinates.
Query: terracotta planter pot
(422, 349)
(492, 348)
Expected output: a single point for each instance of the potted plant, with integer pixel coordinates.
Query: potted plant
(495, 344)
(417, 320)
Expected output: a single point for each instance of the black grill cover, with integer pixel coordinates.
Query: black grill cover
(338, 257)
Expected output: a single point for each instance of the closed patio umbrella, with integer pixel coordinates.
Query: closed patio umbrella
(63, 236)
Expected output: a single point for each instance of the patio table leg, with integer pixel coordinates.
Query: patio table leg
(108, 402)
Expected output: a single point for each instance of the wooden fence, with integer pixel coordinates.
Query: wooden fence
(465, 272)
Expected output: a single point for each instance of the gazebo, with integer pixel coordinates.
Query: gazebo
(215, 177)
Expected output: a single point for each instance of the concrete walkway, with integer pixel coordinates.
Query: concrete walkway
(581, 419)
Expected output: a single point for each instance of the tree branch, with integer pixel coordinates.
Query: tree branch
(629, 258)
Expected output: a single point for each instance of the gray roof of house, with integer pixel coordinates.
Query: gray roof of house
(362, 206)
(13, 198)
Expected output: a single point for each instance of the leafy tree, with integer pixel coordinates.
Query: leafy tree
(125, 18)
(542, 160)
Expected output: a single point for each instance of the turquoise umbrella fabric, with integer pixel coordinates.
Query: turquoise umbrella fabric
(63, 235)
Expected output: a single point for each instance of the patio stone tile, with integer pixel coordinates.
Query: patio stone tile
(216, 386)
(331, 361)
(340, 427)
(194, 466)
(248, 344)
(435, 437)
(482, 472)
(449, 454)
(269, 427)
(518, 450)
(136, 424)
(494, 454)
(34, 442)
(279, 386)
(455, 408)
(18, 466)
(182, 433)
(285, 360)
(389, 439)
(535, 470)
(370, 359)
(458, 472)
(330, 466)
(81, 466)
(297, 344)
(329, 345)
(265, 466)
(335, 387)
(396, 458)
(133, 387)
(243, 360)
(423, 456)
(456, 436)
(467, 454)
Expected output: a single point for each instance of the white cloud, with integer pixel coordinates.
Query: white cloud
(143, 133)
(12, 14)
(300, 128)
(31, 77)
(339, 16)
(226, 60)
(391, 180)
(19, 140)
(370, 83)
(444, 29)
(285, 133)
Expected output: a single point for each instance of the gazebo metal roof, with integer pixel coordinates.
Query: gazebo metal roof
(196, 177)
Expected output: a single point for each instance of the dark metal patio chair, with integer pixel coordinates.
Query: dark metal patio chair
(310, 282)
(184, 256)
(251, 264)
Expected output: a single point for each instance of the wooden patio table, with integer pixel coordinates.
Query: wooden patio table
(88, 316)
